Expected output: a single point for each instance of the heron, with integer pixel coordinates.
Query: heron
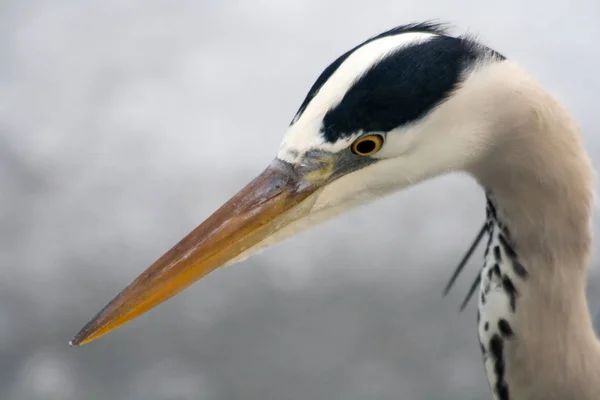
(405, 106)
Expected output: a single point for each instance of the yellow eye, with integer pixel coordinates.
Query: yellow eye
(367, 145)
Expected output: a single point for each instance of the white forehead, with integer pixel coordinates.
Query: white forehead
(304, 132)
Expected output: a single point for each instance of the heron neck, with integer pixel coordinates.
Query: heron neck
(552, 351)
(542, 180)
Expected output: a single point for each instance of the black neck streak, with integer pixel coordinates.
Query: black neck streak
(501, 268)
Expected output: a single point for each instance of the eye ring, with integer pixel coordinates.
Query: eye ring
(367, 145)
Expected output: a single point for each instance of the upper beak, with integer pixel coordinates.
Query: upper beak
(270, 202)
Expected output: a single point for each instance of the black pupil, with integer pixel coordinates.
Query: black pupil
(366, 146)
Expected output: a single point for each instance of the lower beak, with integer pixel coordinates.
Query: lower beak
(273, 200)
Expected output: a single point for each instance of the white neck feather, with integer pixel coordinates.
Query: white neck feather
(542, 179)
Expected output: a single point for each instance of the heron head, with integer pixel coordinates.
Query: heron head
(385, 115)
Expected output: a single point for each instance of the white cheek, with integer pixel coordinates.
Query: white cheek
(364, 186)
(446, 140)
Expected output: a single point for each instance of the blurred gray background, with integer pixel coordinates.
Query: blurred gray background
(123, 124)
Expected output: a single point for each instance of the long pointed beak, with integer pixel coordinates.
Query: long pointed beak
(270, 202)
